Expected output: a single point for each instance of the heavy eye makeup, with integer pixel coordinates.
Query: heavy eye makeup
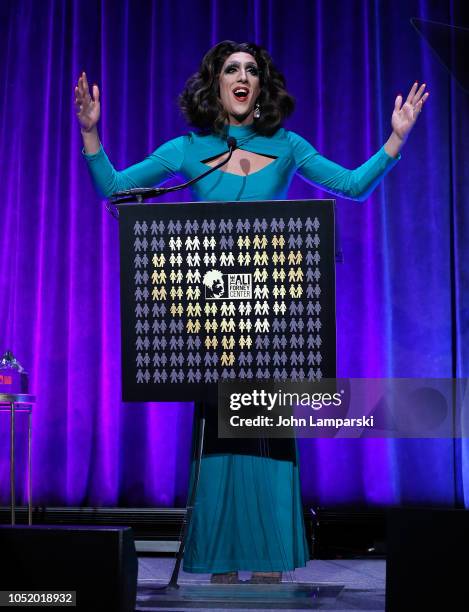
(252, 68)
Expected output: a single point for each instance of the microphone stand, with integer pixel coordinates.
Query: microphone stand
(141, 194)
(144, 193)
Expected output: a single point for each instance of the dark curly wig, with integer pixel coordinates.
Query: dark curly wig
(200, 101)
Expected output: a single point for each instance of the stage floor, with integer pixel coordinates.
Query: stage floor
(338, 585)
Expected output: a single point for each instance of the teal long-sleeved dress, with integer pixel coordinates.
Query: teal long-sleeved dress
(248, 511)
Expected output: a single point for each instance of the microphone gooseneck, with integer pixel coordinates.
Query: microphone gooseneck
(142, 193)
(231, 142)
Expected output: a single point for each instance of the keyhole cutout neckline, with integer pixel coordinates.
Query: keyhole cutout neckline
(243, 134)
(243, 161)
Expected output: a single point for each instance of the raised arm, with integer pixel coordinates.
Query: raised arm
(359, 183)
(354, 184)
(156, 168)
(88, 113)
(404, 117)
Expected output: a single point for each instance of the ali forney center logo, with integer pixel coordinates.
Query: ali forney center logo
(232, 286)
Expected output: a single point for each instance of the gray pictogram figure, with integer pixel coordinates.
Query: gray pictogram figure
(309, 242)
(259, 358)
(296, 342)
(159, 343)
(190, 343)
(159, 326)
(276, 342)
(138, 294)
(262, 341)
(309, 259)
(310, 275)
(191, 359)
(138, 261)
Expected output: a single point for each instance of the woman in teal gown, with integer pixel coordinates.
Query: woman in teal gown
(248, 512)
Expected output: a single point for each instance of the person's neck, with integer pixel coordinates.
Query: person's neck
(240, 121)
(240, 131)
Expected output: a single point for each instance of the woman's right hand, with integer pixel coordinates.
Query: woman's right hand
(88, 108)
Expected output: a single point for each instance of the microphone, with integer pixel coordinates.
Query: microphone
(142, 193)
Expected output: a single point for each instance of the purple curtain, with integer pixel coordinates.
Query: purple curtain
(401, 292)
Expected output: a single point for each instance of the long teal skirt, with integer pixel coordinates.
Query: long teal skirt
(247, 516)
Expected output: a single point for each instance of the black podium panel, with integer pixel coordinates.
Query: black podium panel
(427, 552)
(225, 290)
(99, 563)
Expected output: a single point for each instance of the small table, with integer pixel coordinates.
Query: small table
(12, 403)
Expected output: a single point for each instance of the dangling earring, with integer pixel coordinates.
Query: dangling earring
(257, 111)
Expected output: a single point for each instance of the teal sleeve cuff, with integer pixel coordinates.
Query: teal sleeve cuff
(390, 157)
(91, 156)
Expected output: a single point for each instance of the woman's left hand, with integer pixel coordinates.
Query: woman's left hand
(405, 115)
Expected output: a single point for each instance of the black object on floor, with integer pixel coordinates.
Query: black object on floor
(99, 563)
(426, 565)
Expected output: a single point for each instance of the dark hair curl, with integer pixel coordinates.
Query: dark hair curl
(200, 101)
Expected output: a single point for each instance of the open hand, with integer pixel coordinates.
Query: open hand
(405, 115)
(88, 108)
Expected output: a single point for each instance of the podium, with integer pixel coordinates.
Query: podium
(225, 290)
(214, 291)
